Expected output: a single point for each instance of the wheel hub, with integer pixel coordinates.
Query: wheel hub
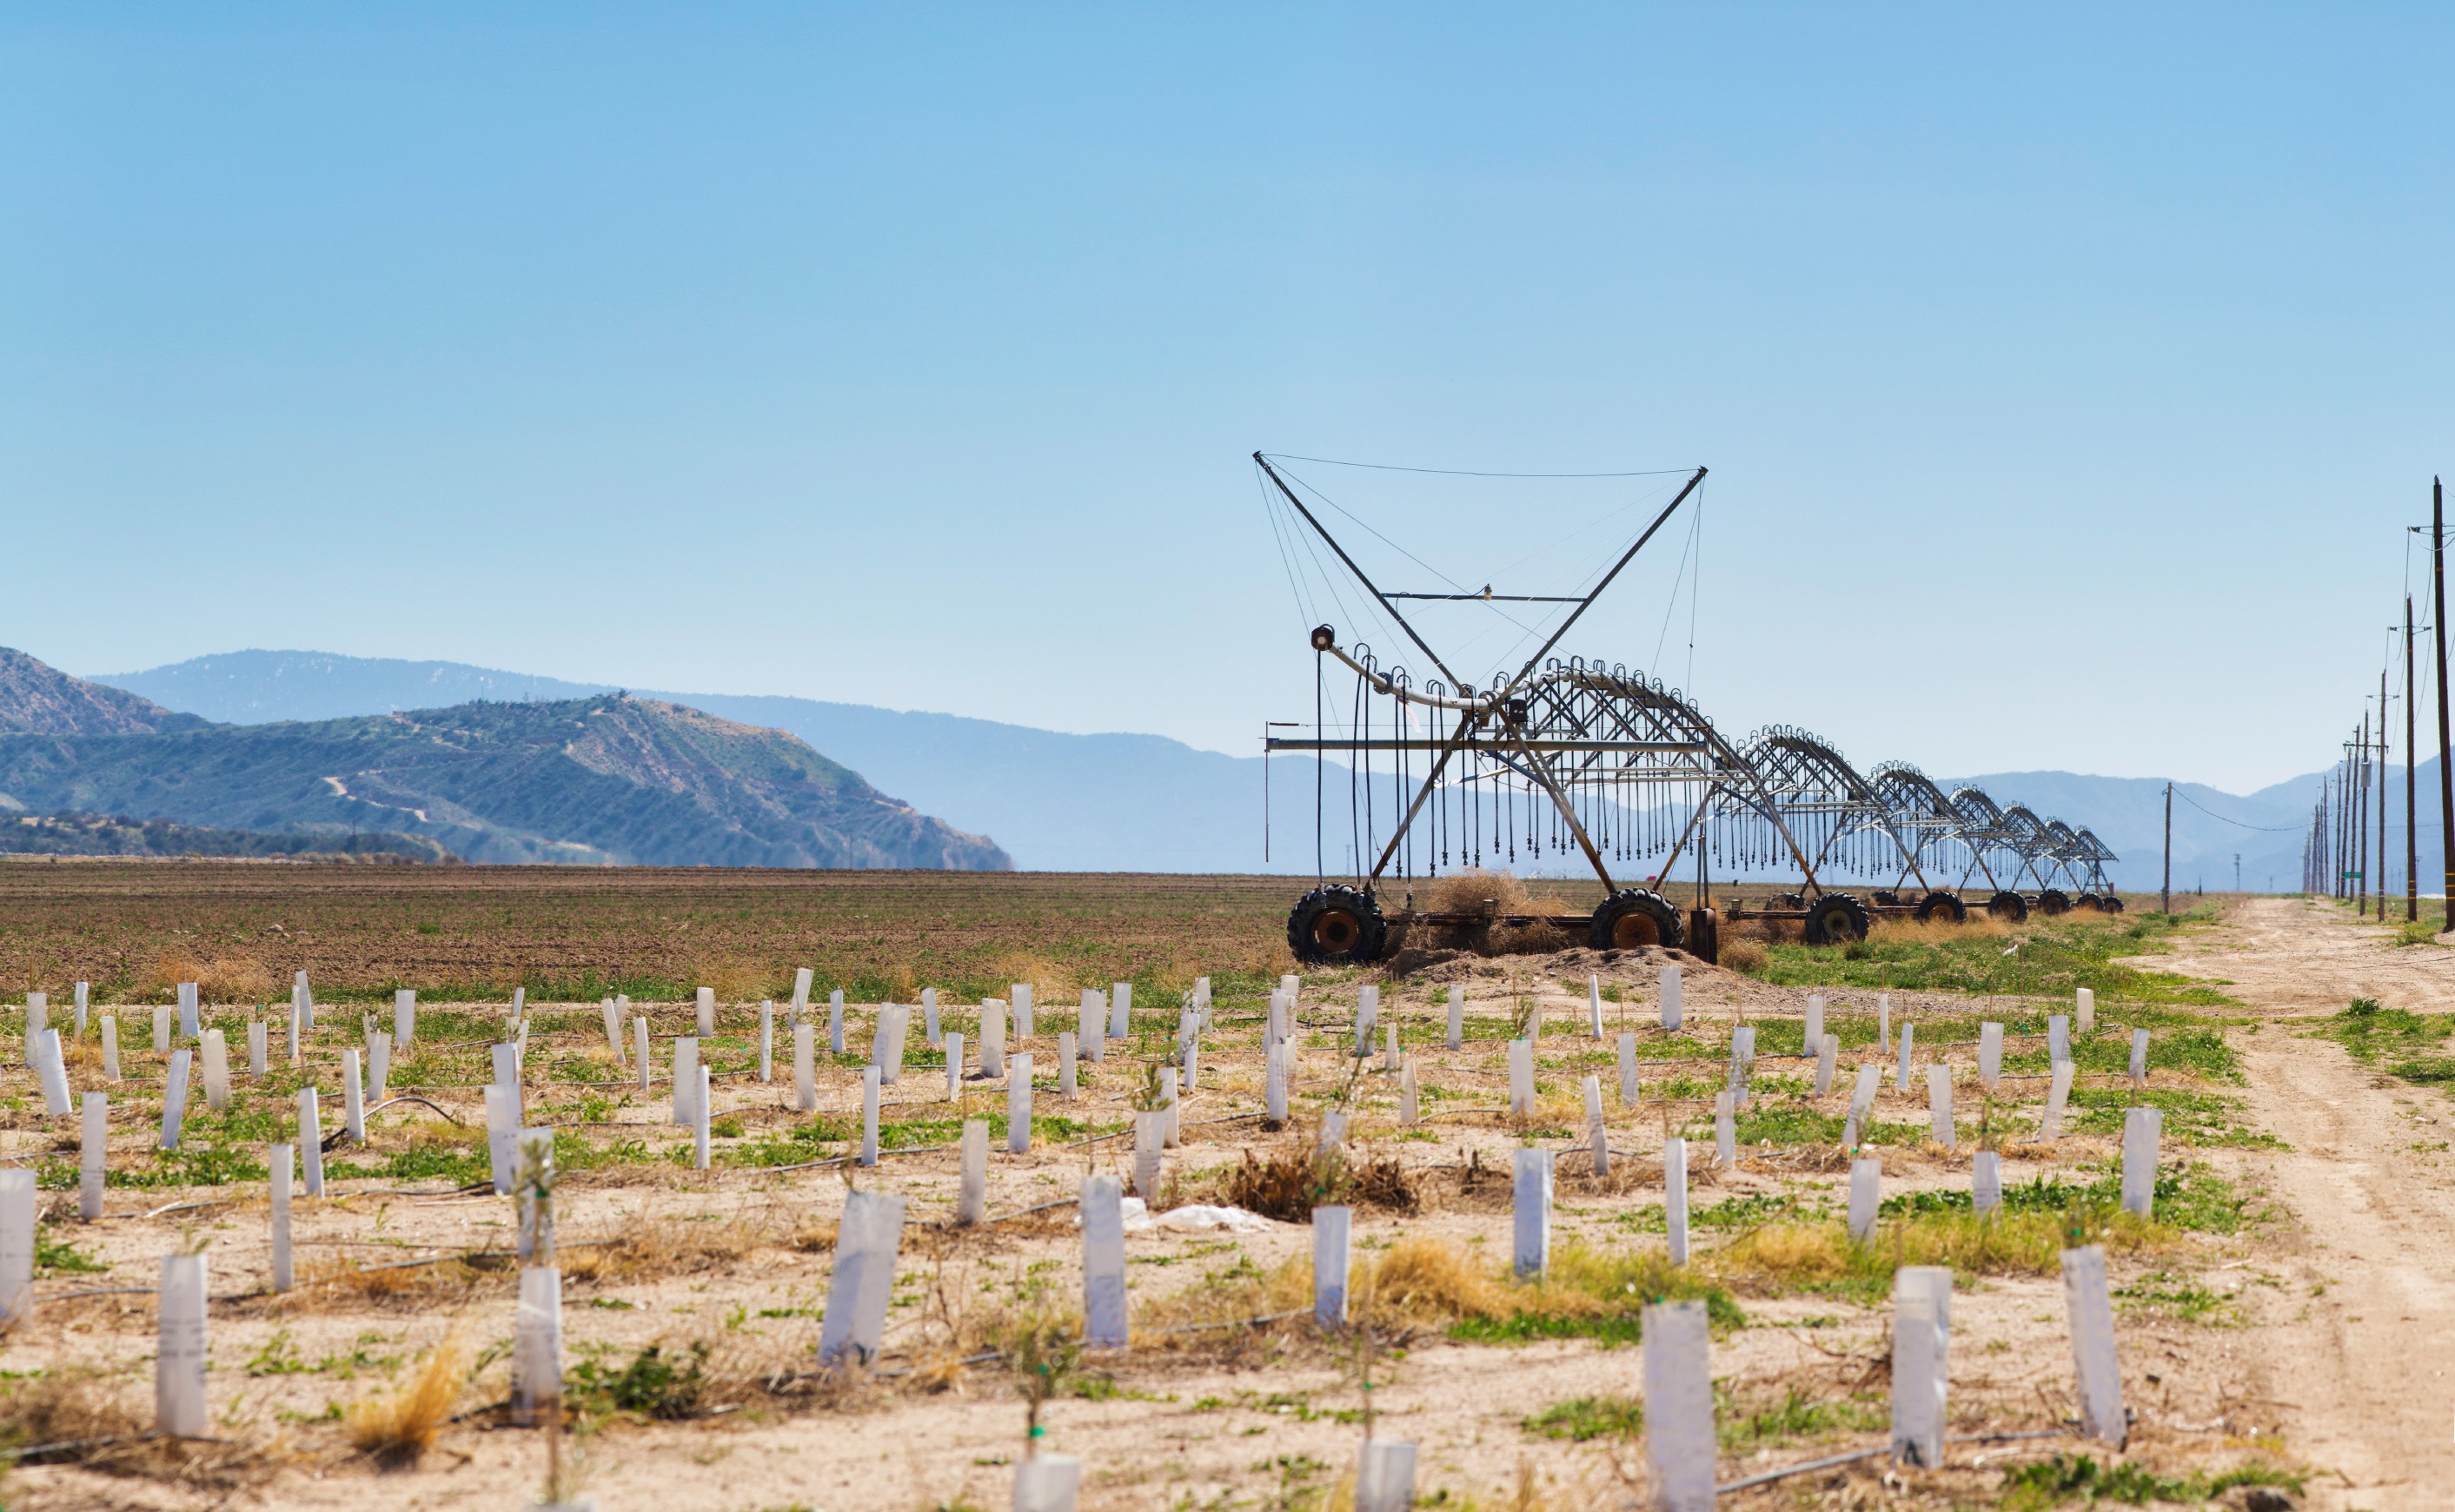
(1337, 931)
(1634, 929)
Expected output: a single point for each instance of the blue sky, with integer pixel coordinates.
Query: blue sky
(2065, 378)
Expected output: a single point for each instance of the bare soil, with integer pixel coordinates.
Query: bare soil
(2339, 1306)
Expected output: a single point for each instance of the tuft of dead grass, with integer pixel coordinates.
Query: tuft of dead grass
(1467, 892)
(219, 979)
(397, 1428)
(736, 979)
(1420, 1281)
(1898, 929)
(1294, 1178)
(1746, 956)
(647, 1249)
(338, 1286)
(107, 1426)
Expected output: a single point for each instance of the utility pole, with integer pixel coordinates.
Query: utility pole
(2165, 889)
(2360, 794)
(2438, 633)
(2411, 836)
(2381, 796)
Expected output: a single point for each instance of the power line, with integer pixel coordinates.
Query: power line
(2264, 829)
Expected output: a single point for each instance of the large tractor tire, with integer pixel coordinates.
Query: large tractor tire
(2053, 900)
(1885, 898)
(1789, 901)
(1337, 926)
(1632, 917)
(2085, 902)
(2113, 903)
(2008, 906)
(1940, 906)
(1836, 919)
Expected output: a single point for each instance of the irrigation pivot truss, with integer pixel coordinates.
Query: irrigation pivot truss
(1567, 757)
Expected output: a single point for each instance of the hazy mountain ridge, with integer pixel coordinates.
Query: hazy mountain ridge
(1141, 802)
(37, 698)
(605, 779)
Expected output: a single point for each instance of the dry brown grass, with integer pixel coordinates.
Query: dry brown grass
(1467, 892)
(397, 1428)
(108, 1422)
(1895, 929)
(1421, 1281)
(739, 981)
(649, 1248)
(343, 1285)
(219, 979)
(1747, 957)
(1782, 1256)
(1292, 1179)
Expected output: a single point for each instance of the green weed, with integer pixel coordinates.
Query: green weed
(2062, 1479)
(1586, 1418)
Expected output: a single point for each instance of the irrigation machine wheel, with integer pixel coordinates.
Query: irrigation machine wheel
(1885, 898)
(2008, 906)
(1337, 926)
(2113, 903)
(2053, 900)
(1633, 917)
(2089, 901)
(1789, 901)
(1942, 905)
(1836, 919)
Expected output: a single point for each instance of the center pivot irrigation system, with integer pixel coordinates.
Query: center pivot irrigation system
(1567, 756)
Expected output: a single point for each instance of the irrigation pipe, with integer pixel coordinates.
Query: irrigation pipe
(1835, 1462)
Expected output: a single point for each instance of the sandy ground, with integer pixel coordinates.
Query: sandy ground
(2354, 1352)
(2346, 1380)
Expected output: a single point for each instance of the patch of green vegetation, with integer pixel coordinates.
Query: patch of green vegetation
(1585, 1417)
(2422, 931)
(1744, 1427)
(1611, 1329)
(2195, 1199)
(193, 1165)
(2372, 1032)
(1294, 1404)
(461, 1165)
(822, 1138)
(1744, 1211)
(2166, 1293)
(279, 1357)
(2065, 1479)
(54, 1256)
(2055, 956)
(1767, 1122)
(2198, 1118)
(654, 1384)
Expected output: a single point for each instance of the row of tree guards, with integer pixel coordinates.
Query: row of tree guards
(2346, 853)
(1680, 1437)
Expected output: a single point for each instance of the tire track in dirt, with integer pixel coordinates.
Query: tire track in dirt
(2356, 1351)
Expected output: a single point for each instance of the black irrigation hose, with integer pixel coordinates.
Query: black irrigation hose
(1835, 1461)
(63, 1445)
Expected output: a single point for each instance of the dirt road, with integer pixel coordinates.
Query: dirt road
(2352, 1353)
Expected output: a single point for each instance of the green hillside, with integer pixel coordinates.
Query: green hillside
(98, 834)
(606, 779)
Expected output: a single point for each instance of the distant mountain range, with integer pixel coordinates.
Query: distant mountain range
(604, 778)
(1139, 802)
